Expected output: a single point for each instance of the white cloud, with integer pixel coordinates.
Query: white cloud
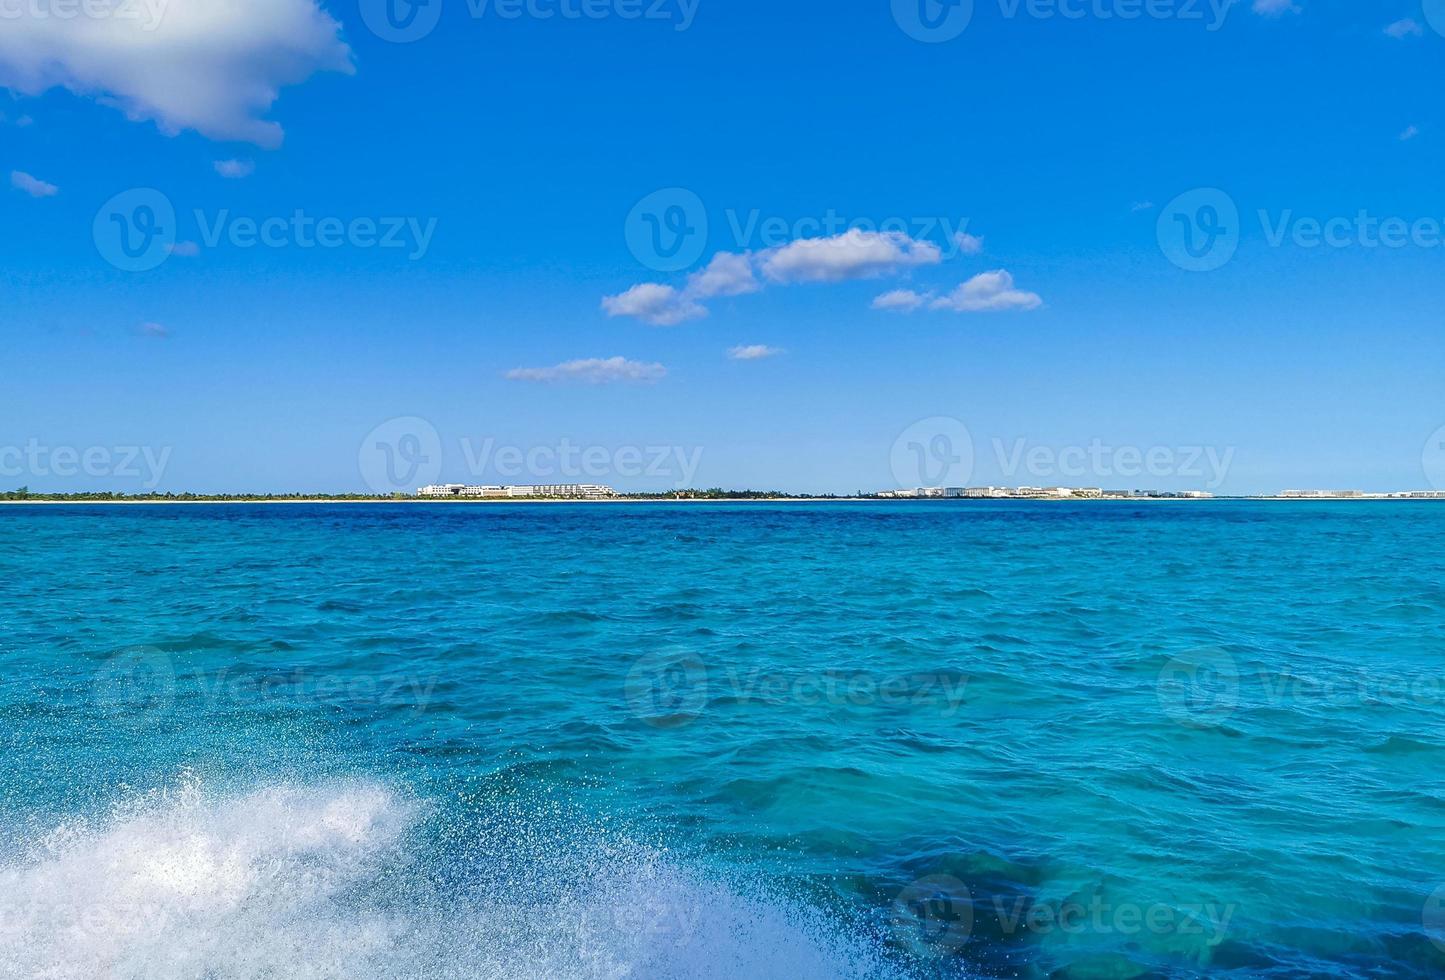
(154, 330)
(1142, 206)
(728, 274)
(968, 244)
(988, 292)
(33, 186)
(1405, 28)
(185, 250)
(594, 371)
(654, 303)
(1410, 133)
(855, 254)
(753, 352)
(213, 66)
(235, 169)
(1275, 8)
(900, 301)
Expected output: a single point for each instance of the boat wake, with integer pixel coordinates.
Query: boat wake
(334, 880)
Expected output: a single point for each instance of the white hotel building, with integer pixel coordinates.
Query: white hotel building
(576, 491)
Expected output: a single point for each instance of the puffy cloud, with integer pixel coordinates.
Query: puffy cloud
(968, 244)
(213, 66)
(235, 169)
(1405, 28)
(988, 292)
(728, 274)
(593, 371)
(1410, 133)
(1275, 8)
(900, 301)
(33, 186)
(753, 352)
(185, 250)
(654, 303)
(854, 254)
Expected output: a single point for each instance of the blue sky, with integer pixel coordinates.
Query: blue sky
(505, 157)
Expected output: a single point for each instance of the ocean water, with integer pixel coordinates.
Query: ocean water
(912, 739)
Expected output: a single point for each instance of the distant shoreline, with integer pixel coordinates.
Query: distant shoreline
(237, 501)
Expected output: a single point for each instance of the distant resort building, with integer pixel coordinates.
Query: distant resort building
(573, 491)
(1039, 493)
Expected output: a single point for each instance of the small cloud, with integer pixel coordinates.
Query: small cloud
(592, 371)
(654, 303)
(22, 121)
(235, 169)
(753, 352)
(1275, 8)
(988, 292)
(855, 254)
(728, 274)
(154, 330)
(1401, 29)
(968, 244)
(1410, 133)
(900, 301)
(1142, 206)
(185, 250)
(33, 186)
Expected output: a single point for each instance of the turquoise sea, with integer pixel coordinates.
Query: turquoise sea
(903, 739)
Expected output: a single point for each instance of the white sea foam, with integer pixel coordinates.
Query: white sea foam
(313, 881)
